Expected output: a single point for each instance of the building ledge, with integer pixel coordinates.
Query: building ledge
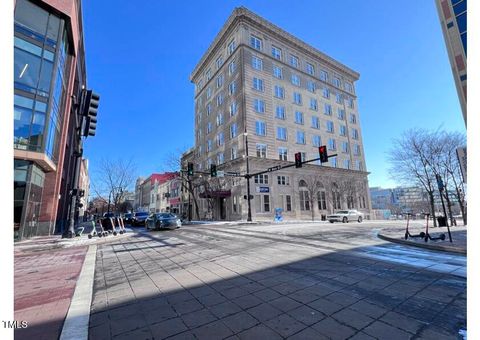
(41, 159)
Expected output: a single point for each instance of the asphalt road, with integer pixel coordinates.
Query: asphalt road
(295, 281)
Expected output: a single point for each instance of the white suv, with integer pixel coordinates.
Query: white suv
(345, 216)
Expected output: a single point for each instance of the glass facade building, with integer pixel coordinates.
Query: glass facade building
(41, 59)
(43, 56)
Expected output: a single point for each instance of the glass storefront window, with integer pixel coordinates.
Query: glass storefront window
(28, 189)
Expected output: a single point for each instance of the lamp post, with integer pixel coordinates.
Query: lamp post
(247, 176)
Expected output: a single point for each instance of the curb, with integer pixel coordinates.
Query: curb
(421, 245)
(70, 243)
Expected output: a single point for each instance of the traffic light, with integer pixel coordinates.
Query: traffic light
(213, 170)
(190, 169)
(90, 109)
(298, 160)
(323, 154)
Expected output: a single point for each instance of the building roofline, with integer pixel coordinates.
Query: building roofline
(243, 14)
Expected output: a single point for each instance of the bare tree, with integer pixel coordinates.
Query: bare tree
(113, 179)
(190, 184)
(411, 159)
(312, 185)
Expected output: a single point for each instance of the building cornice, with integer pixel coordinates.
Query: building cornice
(241, 14)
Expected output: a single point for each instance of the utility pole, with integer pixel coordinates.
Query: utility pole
(247, 176)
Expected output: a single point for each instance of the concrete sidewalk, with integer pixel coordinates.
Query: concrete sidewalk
(458, 245)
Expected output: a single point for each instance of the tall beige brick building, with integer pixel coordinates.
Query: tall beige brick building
(453, 20)
(260, 85)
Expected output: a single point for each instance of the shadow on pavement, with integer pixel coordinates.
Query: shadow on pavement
(197, 289)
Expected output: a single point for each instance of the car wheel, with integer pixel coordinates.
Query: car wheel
(345, 220)
(330, 221)
(359, 219)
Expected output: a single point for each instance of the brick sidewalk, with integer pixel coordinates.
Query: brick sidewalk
(44, 285)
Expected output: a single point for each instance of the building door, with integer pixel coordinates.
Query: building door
(223, 208)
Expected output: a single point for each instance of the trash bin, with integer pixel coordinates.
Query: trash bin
(442, 221)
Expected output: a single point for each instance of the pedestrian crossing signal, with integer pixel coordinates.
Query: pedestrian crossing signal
(323, 154)
(298, 160)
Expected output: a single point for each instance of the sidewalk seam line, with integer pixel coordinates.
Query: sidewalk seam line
(78, 316)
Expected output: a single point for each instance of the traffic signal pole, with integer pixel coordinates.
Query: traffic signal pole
(247, 177)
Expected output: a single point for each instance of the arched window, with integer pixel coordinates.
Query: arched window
(321, 197)
(304, 197)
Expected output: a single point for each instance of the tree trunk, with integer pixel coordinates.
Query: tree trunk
(432, 208)
(313, 211)
(449, 207)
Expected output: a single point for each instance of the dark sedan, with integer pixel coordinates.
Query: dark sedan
(139, 218)
(163, 221)
(128, 218)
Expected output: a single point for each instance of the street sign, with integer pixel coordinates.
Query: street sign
(462, 160)
(220, 173)
(274, 168)
(263, 189)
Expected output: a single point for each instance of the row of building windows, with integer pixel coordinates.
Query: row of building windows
(294, 61)
(279, 92)
(261, 152)
(262, 202)
(261, 130)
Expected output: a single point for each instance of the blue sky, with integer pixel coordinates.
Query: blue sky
(140, 55)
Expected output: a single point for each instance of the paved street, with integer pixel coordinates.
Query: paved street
(295, 281)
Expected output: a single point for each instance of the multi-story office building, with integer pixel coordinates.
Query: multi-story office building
(382, 198)
(49, 75)
(453, 19)
(262, 95)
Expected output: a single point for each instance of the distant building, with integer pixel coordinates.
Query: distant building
(453, 19)
(261, 96)
(382, 198)
(83, 184)
(147, 191)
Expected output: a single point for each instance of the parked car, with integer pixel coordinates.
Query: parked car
(345, 216)
(127, 218)
(109, 214)
(139, 218)
(163, 221)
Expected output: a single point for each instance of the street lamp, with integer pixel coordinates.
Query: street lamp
(247, 176)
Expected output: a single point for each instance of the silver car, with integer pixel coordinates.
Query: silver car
(162, 221)
(345, 216)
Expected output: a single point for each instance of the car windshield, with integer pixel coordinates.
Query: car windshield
(128, 215)
(165, 215)
(342, 212)
(141, 214)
